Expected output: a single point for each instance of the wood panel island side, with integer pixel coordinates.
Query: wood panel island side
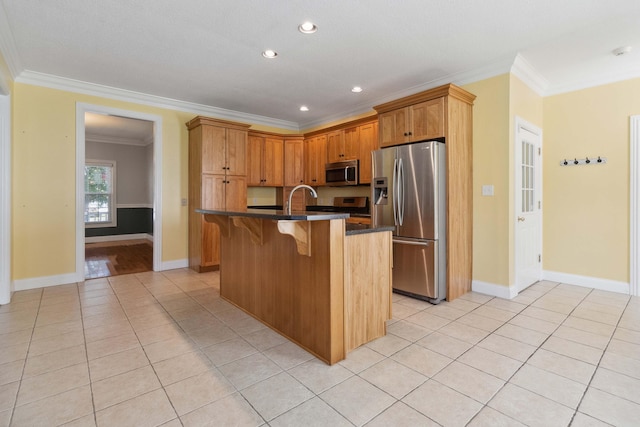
(305, 275)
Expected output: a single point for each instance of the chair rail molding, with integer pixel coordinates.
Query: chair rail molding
(634, 203)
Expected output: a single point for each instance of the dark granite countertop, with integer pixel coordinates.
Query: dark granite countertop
(278, 214)
(352, 229)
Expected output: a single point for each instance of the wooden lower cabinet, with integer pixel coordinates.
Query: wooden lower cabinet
(367, 288)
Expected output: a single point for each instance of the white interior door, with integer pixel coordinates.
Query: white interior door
(528, 209)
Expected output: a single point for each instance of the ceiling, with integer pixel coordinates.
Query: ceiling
(109, 129)
(207, 54)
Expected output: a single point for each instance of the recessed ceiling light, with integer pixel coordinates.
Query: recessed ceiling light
(356, 89)
(307, 28)
(621, 50)
(270, 54)
(304, 108)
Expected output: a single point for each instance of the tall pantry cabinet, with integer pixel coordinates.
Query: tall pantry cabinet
(442, 112)
(217, 180)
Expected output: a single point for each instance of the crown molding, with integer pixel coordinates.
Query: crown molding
(86, 88)
(589, 83)
(522, 69)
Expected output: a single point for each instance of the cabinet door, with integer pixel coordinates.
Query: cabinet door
(427, 120)
(315, 153)
(394, 127)
(236, 152)
(236, 193)
(210, 244)
(351, 143)
(309, 162)
(294, 162)
(321, 158)
(368, 143)
(273, 162)
(213, 191)
(335, 146)
(254, 160)
(213, 149)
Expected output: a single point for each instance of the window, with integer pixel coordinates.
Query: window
(99, 193)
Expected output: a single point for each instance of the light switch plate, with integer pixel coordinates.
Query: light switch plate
(183, 202)
(487, 190)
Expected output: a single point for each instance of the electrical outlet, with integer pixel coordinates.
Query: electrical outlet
(183, 202)
(487, 190)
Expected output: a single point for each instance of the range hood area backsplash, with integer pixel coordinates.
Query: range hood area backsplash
(264, 196)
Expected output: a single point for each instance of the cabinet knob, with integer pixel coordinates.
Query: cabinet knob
(410, 133)
(406, 134)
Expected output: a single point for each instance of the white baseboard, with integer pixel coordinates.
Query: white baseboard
(506, 292)
(118, 237)
(175, 264)
(44, 282)
(586, 281)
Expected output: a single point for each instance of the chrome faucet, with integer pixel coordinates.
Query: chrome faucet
(313, 193)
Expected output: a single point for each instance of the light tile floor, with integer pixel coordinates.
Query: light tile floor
(155, 349)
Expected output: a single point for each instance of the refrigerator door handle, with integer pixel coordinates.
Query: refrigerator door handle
(400, 192)
(394, 201)
(410, 242)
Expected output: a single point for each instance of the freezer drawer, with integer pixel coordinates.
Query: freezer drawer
(415, 267)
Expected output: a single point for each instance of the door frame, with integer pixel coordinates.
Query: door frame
(81, 109)
(5, 197)
(520, 123)
(634, 205)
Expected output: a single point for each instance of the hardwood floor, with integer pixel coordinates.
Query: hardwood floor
(107, 259)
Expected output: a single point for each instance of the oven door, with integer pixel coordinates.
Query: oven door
(342, 173)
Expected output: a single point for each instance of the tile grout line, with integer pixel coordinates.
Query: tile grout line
(26, 356)
(86, 355)
(142, 347)
(600, 361)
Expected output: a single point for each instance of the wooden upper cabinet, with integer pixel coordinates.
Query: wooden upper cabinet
(293, 161)
(416, 122)
(393, 127)
(213, 149)
(427, 120)
(273, 162)
(265, 161)
(236, 152)
(335, 147)
(315, 154)
(368, 142)
(254, 160)
(351, 144)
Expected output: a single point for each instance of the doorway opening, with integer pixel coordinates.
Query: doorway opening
(118, 184)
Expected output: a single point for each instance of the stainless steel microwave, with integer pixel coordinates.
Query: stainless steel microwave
(342, 173)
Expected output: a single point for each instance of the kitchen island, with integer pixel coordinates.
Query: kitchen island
(305, 276)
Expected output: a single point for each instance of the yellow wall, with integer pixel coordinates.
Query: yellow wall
(491, 167)
(43, 153)
(586, 208)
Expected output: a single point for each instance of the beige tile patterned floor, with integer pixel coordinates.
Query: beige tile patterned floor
(162, 349)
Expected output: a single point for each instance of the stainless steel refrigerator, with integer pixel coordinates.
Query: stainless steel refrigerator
(408, 192)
